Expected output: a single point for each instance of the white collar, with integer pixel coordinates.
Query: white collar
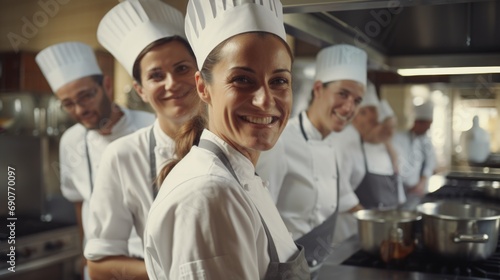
(122, 122)
(310, 130)
(162, 139)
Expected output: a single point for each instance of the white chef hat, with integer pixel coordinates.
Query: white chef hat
(132, 25)
(384, 110)
(370, 98)
(424, 111)
(341, 62)
(65, 62)
(209, 22)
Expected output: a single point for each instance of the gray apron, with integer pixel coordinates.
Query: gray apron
(296, 267)
(317, 242)
(377, 191)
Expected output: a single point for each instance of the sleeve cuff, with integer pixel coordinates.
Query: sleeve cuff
(347, 201)
(71, 195)
(96, 249)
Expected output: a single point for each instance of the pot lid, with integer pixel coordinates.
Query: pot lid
(454, 210)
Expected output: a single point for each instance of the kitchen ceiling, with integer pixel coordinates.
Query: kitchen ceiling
(405, 33)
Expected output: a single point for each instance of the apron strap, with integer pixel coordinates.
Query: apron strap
(271, 248)
(89, 164)
(364, 153)
(152, 161)
(302, 127)
(211, 146)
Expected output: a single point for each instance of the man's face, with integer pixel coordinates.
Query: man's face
(86, 102)
(366, 120)
(420, 127)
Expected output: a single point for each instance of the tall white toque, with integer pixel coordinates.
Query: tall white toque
(424, 112)
(341, 62)
(132, 25)
(370, 98)
(66, 62)
(384, 111)
(209, 22)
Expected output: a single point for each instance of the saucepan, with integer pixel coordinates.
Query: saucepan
(390, 234)
(491, 188)
(459, 231)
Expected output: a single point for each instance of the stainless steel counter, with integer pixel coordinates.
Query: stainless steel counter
(333, 268)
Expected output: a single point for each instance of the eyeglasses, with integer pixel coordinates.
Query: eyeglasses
(83, 99)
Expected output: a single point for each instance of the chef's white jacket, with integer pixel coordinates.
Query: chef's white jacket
(74, 172)
(416, 157)
(303, 179)
(379, 162)
(204, 225)
(123, 193)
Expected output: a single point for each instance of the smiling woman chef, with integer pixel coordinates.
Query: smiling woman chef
(213, 218)
(147, 38)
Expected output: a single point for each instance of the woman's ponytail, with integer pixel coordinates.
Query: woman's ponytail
(187, 136)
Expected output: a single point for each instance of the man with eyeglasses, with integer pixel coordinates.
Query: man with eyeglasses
(72, 72)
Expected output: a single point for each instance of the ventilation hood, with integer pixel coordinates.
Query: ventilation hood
(402, 33)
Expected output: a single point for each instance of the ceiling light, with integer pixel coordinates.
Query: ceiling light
(448, 71)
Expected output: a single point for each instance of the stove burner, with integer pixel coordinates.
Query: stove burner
(457, 192)
(426, 263)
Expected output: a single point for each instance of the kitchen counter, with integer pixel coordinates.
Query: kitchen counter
(333, 268)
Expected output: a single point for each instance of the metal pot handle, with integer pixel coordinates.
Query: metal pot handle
(470, 238)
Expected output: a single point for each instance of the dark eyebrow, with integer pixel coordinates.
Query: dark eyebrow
(87, 90)
(252, 71)
(180, 62)
(153, 69)
(282, 70)
(247, 69)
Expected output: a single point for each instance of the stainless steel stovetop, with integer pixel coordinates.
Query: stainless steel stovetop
(37, 244)
(348, 261)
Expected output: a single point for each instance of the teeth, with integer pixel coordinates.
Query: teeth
(344, 118)
(256, 120)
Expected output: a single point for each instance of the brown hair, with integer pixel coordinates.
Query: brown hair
(325, 85)
(136, 69)
(98, 79)
(188, 135)
(190, 132)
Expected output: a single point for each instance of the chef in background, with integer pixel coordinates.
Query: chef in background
(86, 94)
(417, 160)
(367, 161)
(303, 169)
(475, 143)
(163, 66)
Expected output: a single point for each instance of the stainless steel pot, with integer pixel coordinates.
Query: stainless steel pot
(389, 234)
(459, 231)
(491, 188)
